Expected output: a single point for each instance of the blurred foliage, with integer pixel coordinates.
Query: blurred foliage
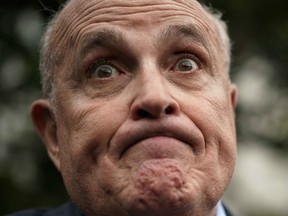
(259, 31)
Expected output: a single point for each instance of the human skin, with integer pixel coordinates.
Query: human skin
(154, 137)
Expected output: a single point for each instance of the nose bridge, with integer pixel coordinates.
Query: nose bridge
(152, 96)
(152, 85)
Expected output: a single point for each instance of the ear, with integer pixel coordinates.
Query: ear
(45, 124)
(233, 95)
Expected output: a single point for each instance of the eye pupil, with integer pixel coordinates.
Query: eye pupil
(104, 71)
(185, 65)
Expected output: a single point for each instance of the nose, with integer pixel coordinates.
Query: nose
(153, 100)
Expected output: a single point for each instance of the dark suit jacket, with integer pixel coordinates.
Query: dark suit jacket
(69, 209)
(228, 213)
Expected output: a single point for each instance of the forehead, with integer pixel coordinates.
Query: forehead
(79, 16)
(129, 9)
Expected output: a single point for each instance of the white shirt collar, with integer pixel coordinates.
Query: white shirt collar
(220, 209)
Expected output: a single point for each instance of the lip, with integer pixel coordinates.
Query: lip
(159, 147)
(133, 132)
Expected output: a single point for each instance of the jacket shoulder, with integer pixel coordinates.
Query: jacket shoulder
(68, 209)
(30, 212)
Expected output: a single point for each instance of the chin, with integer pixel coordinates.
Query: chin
(161, 187)
(158, 187)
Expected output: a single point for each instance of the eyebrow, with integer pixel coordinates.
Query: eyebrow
(177, 32)
(112, 38)
(105, 38)
(108, 38)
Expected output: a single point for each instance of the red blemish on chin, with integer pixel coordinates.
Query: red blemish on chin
(158, 182)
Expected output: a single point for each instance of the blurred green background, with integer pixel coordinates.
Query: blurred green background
(259, 31)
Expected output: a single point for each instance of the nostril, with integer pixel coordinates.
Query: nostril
(153, 112)
(142, 113)
(168, 110)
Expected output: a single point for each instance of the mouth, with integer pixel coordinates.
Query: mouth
(157, 138)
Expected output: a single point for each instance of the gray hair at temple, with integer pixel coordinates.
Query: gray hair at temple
(49, 57)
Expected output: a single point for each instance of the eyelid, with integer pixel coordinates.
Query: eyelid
(101, 61)
(189, 55)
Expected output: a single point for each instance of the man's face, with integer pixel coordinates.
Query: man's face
(144, 111)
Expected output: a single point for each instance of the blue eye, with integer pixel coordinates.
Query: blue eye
(186, 65)
(103, 71)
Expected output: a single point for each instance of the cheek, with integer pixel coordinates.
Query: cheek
(212, 113)
(85, 130)
(214, 117)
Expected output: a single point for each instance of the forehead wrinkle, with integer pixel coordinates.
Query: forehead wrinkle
(99, 9)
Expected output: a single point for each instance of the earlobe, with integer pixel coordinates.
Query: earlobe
(45, 124)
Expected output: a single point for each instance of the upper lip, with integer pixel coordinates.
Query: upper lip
(131, 133)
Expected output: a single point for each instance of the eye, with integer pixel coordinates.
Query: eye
(186, 65)
(102, 71)
(103, 68)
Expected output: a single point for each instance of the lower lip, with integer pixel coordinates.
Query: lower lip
(161, 147)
